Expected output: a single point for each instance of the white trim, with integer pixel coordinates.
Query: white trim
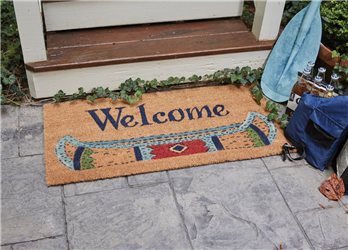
(30, 27)
(87, 14)
(45, 84)
(268, 16)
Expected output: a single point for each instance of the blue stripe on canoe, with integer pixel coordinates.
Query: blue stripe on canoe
(217, 143)
(261, 134)
(77, 158)
(138, 154)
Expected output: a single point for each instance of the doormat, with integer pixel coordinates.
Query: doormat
(165, 130)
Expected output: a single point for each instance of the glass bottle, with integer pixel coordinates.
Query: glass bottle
(321, 73)
(329, 91)
(310, 66)
(334, 81)
(303, 80)
(317, 88)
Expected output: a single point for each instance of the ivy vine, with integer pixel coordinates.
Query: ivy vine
(276, 114)
(132, 90)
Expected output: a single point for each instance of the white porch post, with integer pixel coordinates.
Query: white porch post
(30, 28)
(268, 16)
(31, 34)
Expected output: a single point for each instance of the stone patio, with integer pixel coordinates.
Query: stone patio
(252, 204)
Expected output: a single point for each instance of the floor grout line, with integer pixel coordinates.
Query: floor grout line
(65, 219)
(24, 156)
(290, 166)
(116, 188)
(316, 209)
(150, 184)
(179, 210)
(28, 241)
(287, 204)
(344, 247)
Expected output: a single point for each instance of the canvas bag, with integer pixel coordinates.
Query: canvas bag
(318, 127)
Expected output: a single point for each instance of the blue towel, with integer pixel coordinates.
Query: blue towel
(298, 44)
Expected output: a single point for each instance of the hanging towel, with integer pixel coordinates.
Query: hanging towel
(298, 44)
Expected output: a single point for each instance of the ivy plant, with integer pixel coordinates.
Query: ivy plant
(132, 90)
(276, 114)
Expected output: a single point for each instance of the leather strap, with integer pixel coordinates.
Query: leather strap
(286, 153)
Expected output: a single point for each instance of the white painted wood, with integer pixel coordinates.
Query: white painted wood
(47, 84)
(86, 14)
(267, 18)
(31, 32)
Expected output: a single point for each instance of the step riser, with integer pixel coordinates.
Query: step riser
(46, 84)
(86, 14)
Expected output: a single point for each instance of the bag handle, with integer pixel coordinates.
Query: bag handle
(286, 153)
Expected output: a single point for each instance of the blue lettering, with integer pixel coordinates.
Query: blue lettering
(157, 120)
(108, 117)
(220, 108)
(172, 117)
(143, 115)
(199, 112)
(130, 118)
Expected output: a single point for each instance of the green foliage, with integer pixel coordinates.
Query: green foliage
(342, 69)
(248, 13)
(131, 90)
(95, 93)
(335, 25)
(335, 35)
(13, 80)
(275, 114)
(257, 94)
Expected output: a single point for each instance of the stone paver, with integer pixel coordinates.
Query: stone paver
(30, 141)
(299, 185)
(147, 179)
(94, 186)
(235, 204)
(30, 210)
(31, 130)
(326, 228)
(129, 218)
(58, 243)
(9, 132)
(30, 117)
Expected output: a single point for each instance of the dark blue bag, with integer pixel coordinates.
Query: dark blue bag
(318, 128)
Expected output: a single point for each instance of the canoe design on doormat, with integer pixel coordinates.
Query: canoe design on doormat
(255, 131)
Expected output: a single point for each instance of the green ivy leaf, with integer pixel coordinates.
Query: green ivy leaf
(283, 124)
(59, 96)
(284, 117)
(271, 116)
(257, 94)
(91, 98)
(269, 105)
(335, 54)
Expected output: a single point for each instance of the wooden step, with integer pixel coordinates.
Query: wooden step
(139, 43)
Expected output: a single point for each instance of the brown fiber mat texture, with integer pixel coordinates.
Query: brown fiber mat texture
(165, 130)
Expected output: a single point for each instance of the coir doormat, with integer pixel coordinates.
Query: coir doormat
(166, 130)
